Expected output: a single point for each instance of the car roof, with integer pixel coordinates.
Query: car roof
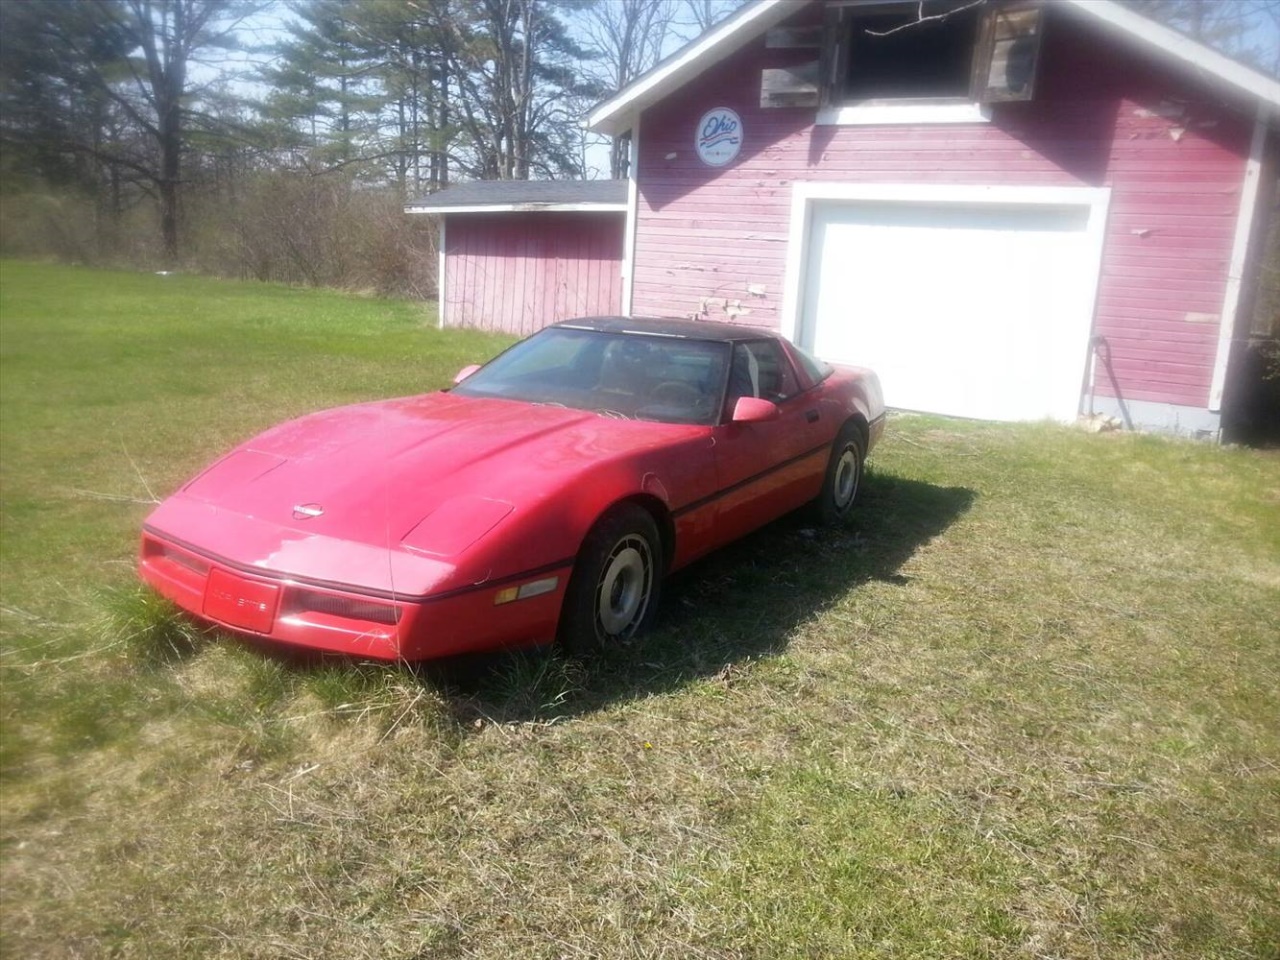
(670, 327)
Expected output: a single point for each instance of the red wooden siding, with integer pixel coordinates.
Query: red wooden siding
(518, 272)
(1173, 156)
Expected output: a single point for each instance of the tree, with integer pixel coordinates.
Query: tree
(520, 88)
(627, 38)
(411, 91)
(130, 61)
(410, 47)
(55, 126)
(1245, 29)
(324, 99)
(702, 15)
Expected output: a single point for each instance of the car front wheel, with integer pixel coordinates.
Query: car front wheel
(613, 593)
(843, 477)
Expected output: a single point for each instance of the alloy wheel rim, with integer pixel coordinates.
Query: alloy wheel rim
(622, 595)
(846, 485)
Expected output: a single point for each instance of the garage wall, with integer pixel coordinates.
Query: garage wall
(1172, 156)
(518, 272)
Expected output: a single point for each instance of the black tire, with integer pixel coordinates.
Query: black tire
(844, 476)
(616, 583)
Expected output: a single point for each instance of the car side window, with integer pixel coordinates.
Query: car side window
(815, 371)
(761, 369)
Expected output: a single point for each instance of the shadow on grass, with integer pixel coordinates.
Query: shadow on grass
(743, 602)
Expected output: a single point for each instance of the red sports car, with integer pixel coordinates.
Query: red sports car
(544, 496)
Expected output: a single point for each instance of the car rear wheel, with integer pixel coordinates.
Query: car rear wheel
(613, 593)
(843, 477)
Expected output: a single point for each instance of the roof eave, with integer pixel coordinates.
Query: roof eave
(617, 114)
(534, 207)
(1205, 63)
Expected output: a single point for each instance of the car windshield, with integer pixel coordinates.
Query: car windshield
(638, 375)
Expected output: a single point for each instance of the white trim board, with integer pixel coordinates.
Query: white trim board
(615, 115)
(440, 277)
(584, 207)
(1239, 261)
(633, 216)
(859, 114)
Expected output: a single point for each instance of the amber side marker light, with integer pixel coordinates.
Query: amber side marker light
(534, 588)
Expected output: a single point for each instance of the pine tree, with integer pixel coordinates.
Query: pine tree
(111, 79)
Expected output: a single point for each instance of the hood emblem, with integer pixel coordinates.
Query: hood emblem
(307, 511)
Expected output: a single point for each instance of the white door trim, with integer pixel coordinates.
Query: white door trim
(633, 216)
(1239, 260)
(805, 194)
(442, 266)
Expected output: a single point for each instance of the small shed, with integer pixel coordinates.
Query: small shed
(516, 255)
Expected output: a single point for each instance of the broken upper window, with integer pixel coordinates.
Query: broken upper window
(897, 55)
(979, 51)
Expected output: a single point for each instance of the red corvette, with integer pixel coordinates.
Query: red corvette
(544, 496)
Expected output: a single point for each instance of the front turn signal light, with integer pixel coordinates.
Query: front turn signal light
(534, 588)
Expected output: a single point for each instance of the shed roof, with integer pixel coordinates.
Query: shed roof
(619, 112)
(507, 196)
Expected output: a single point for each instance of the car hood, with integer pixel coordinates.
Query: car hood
(373, 473)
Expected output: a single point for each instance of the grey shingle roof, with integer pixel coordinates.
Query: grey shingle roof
(523, 194)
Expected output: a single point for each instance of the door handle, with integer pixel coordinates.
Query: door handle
(812, 416)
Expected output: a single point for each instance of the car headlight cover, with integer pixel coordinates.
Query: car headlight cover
(455, 525)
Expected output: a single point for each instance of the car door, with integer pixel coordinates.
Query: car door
(769, 467)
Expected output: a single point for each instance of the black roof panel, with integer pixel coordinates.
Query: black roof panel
(671, 327)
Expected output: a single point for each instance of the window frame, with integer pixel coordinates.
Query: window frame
(593, 341)
(988, 57)
(785, 363)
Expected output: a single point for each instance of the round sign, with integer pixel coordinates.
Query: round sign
(719, 136)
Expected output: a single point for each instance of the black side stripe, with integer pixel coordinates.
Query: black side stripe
(733, 488)
(393, 595)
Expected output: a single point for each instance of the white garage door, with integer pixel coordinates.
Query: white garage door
(968, 309)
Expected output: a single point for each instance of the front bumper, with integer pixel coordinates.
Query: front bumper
(342, 619)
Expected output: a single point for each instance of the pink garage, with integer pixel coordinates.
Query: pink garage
(1011, 210)
(516, 255)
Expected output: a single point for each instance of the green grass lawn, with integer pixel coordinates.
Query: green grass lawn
(1024, 705)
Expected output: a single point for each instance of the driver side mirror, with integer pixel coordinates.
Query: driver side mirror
(465, 372)
(754, 410)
